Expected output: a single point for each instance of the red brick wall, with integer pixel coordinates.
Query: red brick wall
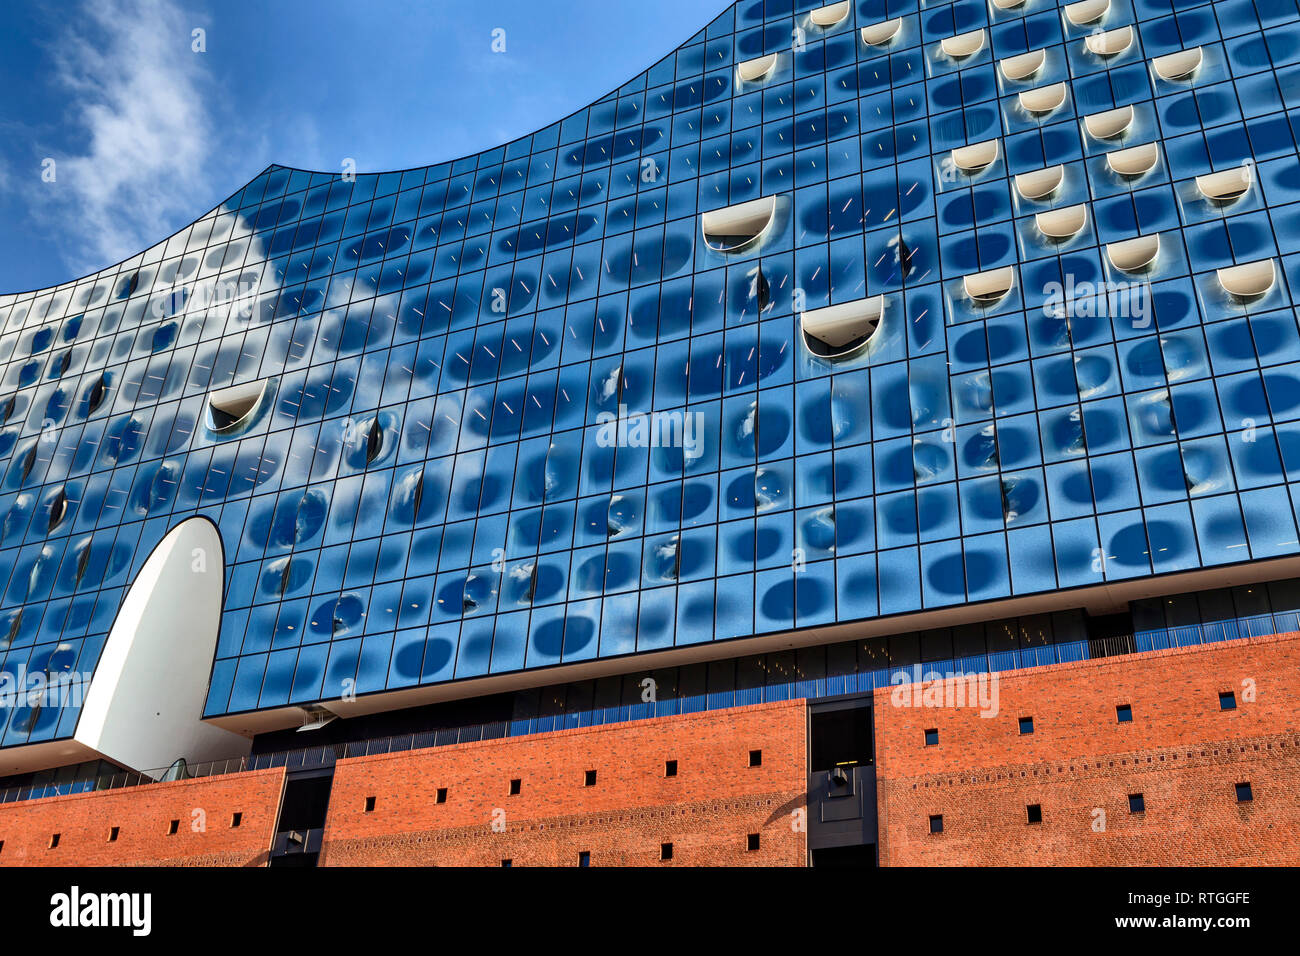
(1181, 752)
(143, 815)
(706, 811)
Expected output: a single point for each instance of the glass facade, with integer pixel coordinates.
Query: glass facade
(817, 320)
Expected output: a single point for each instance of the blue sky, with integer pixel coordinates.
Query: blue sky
(146, 135)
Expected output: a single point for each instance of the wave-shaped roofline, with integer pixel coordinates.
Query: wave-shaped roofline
(8, 298)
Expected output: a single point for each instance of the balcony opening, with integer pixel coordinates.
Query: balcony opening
(1248, 281)
(963, 45)
(1040, 183)
(830, 15)
(1044, 99)
(229, 408)
(1227, 185)
(976, 157)
(989, 288)
(734, 228)
(1178, 66)
(1134, 161)
(759, 68)
(1086, 11)
(1023, 65)
(1062, 224)
(1109, 124)
(839, 331)
(1110, 43)
(1134, 255)
(878, 34)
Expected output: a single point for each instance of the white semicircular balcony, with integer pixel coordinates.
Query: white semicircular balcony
(1086, 11)
(831, 14)
(989, 288)
(1008, 4)
(1134, 161)
(1249, 280)
(975, 157)
(230, 408)
(1226, 185)
(751, 71)
(1040, 183)
(1178, 66)
(1064, 223)
(838, 331)
(963, 44)
(1044, 99)
(878, 34)
(733, 228)
(1109, 43)
(1023, 65)
(1134, 255)
(1109, 123)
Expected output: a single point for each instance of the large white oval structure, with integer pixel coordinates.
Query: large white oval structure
(145, 703)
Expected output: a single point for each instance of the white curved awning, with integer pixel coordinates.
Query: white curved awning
(1134, 161)
(1040, 182)
(1134, 255)
(1110, 43)
(1226, 185)
(229, 408)
(1249, 280)
(987, 288)
(1064, 223)
(1178, 66)
(963, 44)
(1023, 65)
(733, 228)
(831, 14)
(975, 157)
(878, 34)
(751, 71)
(1086, 11)
(1110, 123)
(840, 330)
(1044, 99)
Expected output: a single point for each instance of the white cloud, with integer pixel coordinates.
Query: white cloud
(139, 97)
